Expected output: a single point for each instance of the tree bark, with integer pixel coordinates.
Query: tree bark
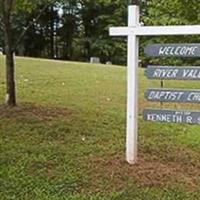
(10, 65)
(52, 52)
(10, 78)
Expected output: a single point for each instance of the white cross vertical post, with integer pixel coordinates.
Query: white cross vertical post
(132, 100)
(133, 31)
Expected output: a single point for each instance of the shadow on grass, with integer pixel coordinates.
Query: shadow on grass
(28, 110)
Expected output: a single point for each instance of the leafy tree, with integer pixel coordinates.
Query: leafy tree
(170, 12)
(69, 31)
(9, 9)
(96, 20)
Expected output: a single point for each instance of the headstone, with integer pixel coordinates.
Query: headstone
(95, 60)
(108, 63)
(1, 51)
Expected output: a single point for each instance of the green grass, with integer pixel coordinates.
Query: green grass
(66, 138)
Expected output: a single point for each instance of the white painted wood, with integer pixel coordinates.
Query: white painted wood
(132, 100)
(155, 30)
(120, 31)
(166, 30)
(133, 31)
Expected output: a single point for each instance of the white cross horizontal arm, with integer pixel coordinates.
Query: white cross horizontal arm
(120, 31)
(155, 30)
(167, 30)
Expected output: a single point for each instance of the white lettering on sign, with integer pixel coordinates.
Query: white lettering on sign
(171, 116)
(169, 73)
(165, 95)
(195, 74)
(194, 97)
(179, 50)
(165, 118)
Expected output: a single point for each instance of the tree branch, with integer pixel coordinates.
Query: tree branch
(1, 24)
(6, 10)
(29, 25)
(10, 4)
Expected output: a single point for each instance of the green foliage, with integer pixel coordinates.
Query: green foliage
(82, 30)
(179, 12)
(24, 5)
(170, 12)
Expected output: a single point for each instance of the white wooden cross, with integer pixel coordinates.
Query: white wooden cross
(133, 31)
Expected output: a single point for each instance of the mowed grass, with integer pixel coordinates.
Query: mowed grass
(66, 138)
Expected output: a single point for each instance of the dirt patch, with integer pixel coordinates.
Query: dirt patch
(45, 169)
(34, 111)
(148, 172)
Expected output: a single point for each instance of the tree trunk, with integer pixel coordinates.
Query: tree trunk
(10, 79)
(52, 52)
(10, 65)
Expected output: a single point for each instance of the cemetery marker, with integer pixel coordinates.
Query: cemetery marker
(133, 31)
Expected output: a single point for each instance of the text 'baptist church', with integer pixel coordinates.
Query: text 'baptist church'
(173, 95)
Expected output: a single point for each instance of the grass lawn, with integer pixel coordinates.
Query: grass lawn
(66, 138)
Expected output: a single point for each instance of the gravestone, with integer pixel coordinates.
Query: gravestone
(1, 51)
(95, 60)
(108, 63)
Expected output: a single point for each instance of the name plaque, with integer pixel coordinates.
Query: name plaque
(172, 116)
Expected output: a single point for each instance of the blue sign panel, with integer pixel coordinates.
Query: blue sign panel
(172, 116)
(173, 50)
(173, 73)
(168, 95)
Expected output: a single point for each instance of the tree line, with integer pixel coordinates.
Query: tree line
(78, 29)
(70, 30)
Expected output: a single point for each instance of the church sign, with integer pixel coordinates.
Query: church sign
(173, 50)
(166, 95)
(133, 33)
(172, 116)
(173, 73)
